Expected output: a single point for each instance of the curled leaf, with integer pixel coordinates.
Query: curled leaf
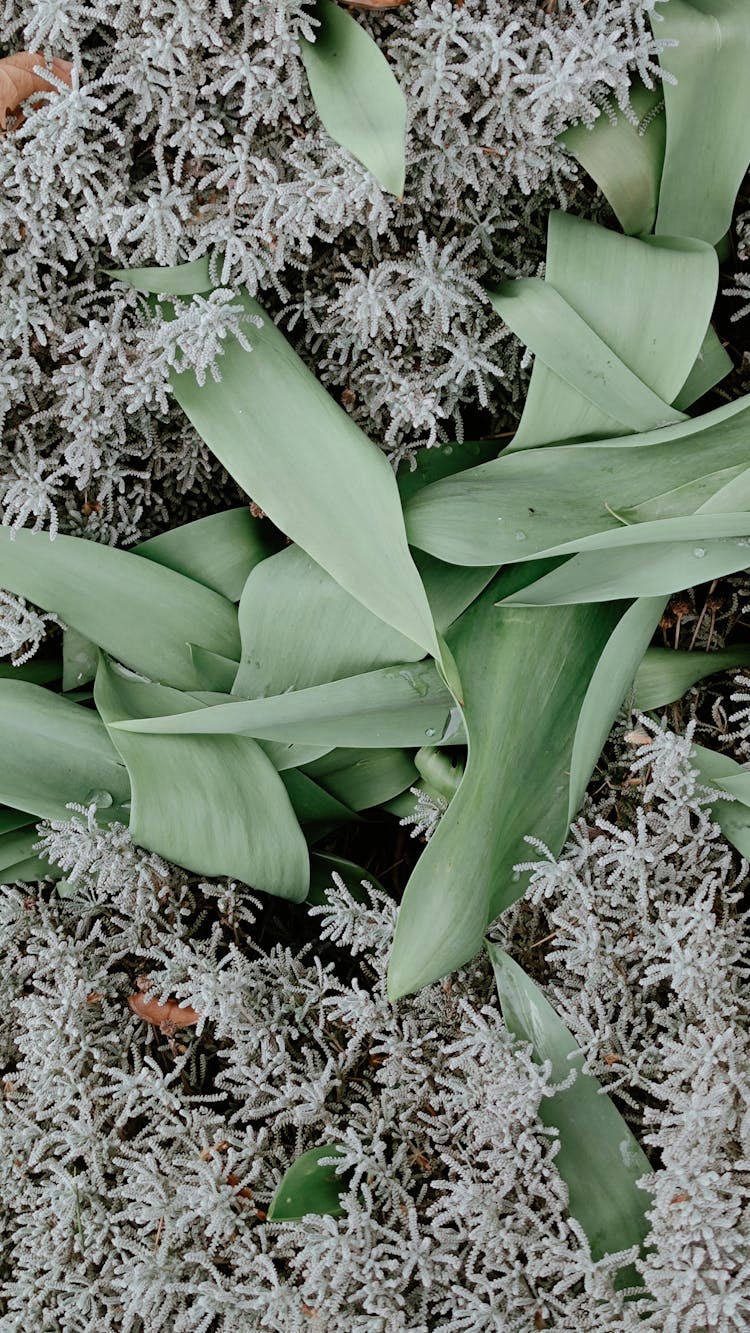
(18, 80)
(159, 1014)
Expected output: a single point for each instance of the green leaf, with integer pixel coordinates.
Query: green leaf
(599, 1158)
(140, 613)
(708, 114)
(610, 682)
(625, 159)
(711, 365)
(309, 1187)
(218, 551)
(80, 659)
(575, 353)
(312, 804)
(214, 804)
(300, 628)
(363, 778)
(650, 570)
(665, 675)
(55, 752)
(396, 706)
(216, 672)
(525, 674)
(356, 94)
(313, 472)
(182, 280)
(544, 501)
(648, 300)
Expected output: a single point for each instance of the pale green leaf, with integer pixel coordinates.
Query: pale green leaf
(611, 679)
(356, 94)
(599, 1158)
(525, 675)
(649, 300)
(140, 613)
(214, 804)
(309, 1187)
(665, 675)
(363, 778)
(396, 706)
(651, 570)
(190, 279)
(55, 752)
(625, 158)
(218, 551)
(574, 352)
(312, 470)
(541, 500)
(300, 628)
(708, 114)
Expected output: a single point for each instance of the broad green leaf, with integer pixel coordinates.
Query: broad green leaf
(649, 300)
(610, 682)
(542, 500)
(55, 752)
(214, 804)
(525, 674)
(625, 158)
(309, 1187)
(356, 94)
(140, 613)
(218, 551)
(313, 472)
(574, 352)
(651, 570)
(396, 706)
(182, 280)
(599, 1158)
(363, 778)
(708, 114)
(300, 628)
(665, 675)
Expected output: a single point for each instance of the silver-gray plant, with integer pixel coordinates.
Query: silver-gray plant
(189, 130)
(139, 1164)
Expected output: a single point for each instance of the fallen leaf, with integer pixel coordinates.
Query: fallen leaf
(170, 1013)
(18, 80)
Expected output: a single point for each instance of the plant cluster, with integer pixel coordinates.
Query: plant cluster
(353, 641)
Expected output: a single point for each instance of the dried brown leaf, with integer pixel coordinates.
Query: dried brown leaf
(18, 80)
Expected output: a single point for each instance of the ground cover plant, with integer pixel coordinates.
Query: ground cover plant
(235, 691)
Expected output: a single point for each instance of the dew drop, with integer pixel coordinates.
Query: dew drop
(699, 552)
(520, 536)
(101, 799)
(430, 731)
